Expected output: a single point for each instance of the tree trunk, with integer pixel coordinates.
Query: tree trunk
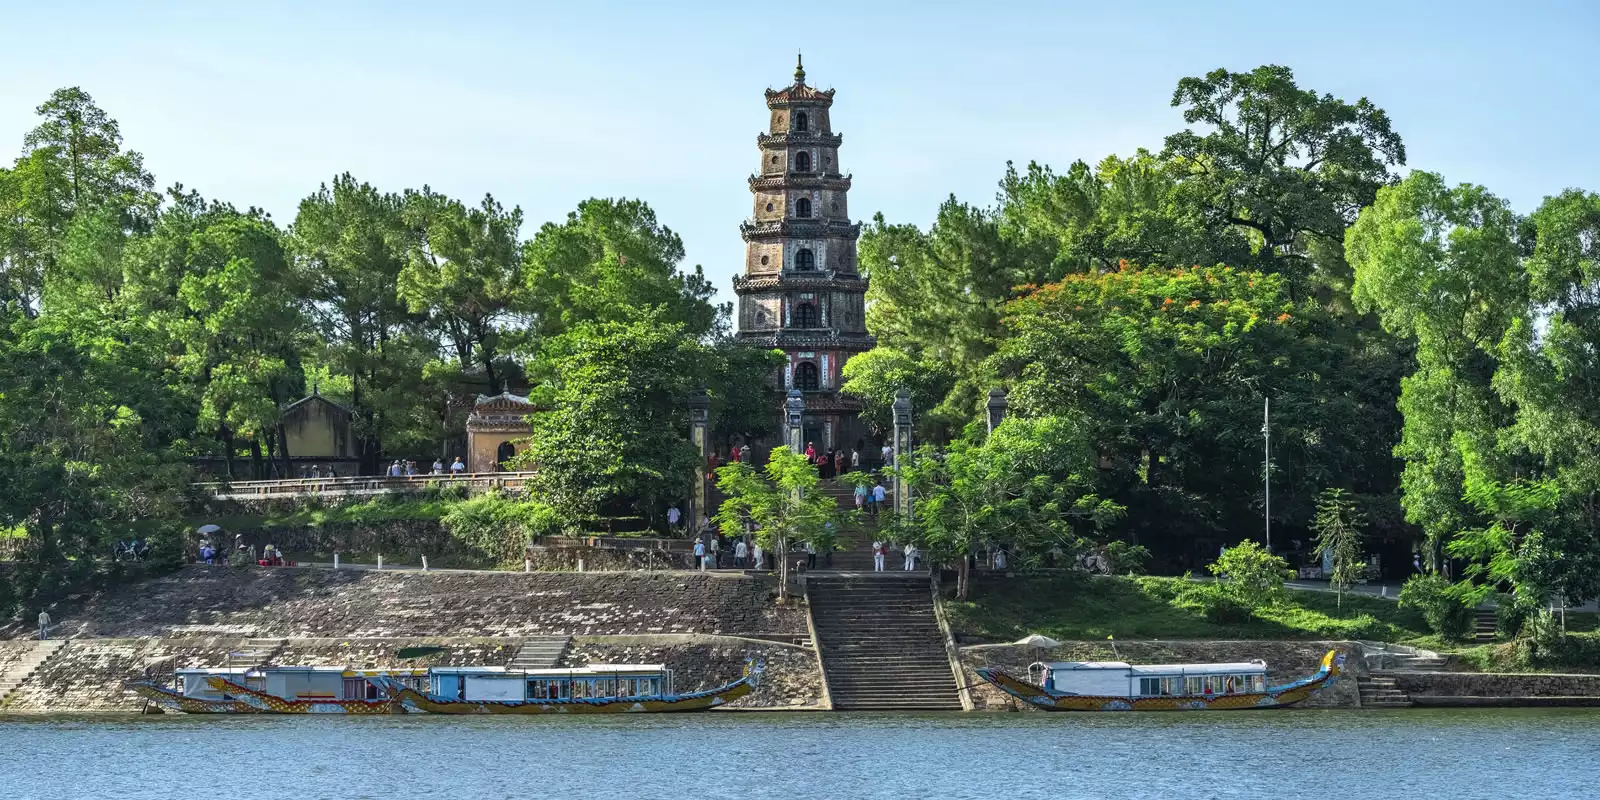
(283, 451)
(256, 466)
(964, 578)
(782, 554)
(226, 437)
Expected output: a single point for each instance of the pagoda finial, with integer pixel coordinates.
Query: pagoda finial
(799, 69)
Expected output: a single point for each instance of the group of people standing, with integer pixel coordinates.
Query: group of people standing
(833, 463)
(708, 553)
(403, 468)
(880, 554)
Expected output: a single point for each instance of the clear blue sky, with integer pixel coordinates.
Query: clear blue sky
(545, 104)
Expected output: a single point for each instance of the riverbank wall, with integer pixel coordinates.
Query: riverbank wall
(1471, 689)
(1286, 662)
(200, 601)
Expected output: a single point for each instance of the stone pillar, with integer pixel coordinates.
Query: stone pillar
(902, 447)
(997, 407)
(794, 417)
(699, 417)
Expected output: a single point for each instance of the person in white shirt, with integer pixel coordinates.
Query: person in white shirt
(1000, 559)
(700, 554)
(673, 515)
(438, 467)
(44, 625)
(760, 557)
(877, 497)
(739, 552)
(811, 556)
(456, 467)
(888, 455)
(911, 557)
(394, 470)
(877, 556)
(855, 459)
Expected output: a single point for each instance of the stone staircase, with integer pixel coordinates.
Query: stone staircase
(853, 543)
(1380, 691)
(27, 665)
(1485, 622)
(880, 643)
(257, 652)
(543, 652)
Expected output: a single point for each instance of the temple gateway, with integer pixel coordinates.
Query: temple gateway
(801, 292)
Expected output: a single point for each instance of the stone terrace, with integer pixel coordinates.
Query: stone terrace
(204, 601)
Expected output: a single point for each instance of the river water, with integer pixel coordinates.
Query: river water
(1293, 754)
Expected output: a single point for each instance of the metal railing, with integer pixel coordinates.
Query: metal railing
(365, 484)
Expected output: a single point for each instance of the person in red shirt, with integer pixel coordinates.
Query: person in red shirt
(733, 455)
(811, 453)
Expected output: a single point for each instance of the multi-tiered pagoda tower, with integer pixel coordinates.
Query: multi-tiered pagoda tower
(801, 292)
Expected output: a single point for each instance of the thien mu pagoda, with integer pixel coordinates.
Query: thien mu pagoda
(801, 292)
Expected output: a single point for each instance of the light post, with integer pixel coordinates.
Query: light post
(795, 410)
(699, 417)
(902, 446)
(1266, 465)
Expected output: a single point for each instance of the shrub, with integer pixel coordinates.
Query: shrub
(1441, 605)
(1214, 603)
(1254, 576)
(498, 526)
(1127, 559)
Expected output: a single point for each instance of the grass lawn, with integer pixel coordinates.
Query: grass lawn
(1075, 607)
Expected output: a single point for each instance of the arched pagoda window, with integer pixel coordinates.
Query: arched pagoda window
(804, 259)
(805, 376)
(800, 121)
(802, 207)
(805, 315)
(802, 161)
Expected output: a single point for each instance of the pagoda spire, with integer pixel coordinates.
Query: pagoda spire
(799, 69)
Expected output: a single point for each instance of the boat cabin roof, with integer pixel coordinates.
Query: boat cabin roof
(599, 669)
(1235, 668)
(214, 670)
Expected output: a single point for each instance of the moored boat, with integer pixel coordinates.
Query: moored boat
(1119, 686)
(276, 690)
(596, 689)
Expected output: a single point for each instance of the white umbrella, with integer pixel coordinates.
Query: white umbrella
(1036, 641)
(208, 529)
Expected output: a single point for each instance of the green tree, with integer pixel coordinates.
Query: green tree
(350, 244)
(1441, 266)
(971, 496)
(464, 272)
(1251, 576)
(608, 260)
(873, 378)
(1288, 166)
(1338, 525)
(782, 502)
(615, 442)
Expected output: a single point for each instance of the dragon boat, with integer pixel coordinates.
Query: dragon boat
(277, 690)
(597, 689)
(1119, 686)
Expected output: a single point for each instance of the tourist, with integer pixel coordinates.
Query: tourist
(316, 471)
(744, 453)
(877, 498)
(811, 556)
(911, 557)
(855, 459)
(838, 462)
(411, 468)
(716, 551)
(1416, 562)
(735, 456)
(760, 557)
(811, 453)
(739, 552)
(673, 515)
(394, 469)
(888, 455)
(1000, 560)
(878, 553)
(700, 553)
(44, 624)
(825, 465)
(456, 467)
(861, 495)
(438, 467)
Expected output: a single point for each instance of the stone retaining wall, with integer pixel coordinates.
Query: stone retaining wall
(88, 674)
(315, 602)
(1495, 685)
(1286, 662)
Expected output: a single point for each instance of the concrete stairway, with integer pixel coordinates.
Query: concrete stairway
(880, 643)
(257, 652)
(27, 665)
(1485, 621)
(1380, 691)
(542, 652)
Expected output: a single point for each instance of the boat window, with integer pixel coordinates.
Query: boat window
(580, 689)
(1170, 686)
(355, 689)
(1194, 685)
(1149, 686)
(1258, 683)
